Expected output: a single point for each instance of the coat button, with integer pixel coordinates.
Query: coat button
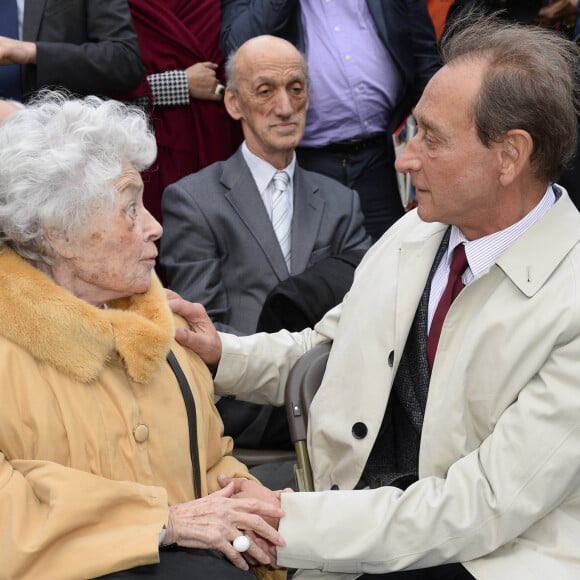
(141, 433)
(359, 430)
(391, 358)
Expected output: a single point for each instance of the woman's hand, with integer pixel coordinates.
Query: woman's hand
(244, 488)
(215, 521)
(202, 337)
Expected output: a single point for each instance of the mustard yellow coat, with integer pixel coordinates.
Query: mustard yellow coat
(93, 429)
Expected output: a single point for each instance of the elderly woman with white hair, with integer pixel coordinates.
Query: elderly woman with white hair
(102, 460)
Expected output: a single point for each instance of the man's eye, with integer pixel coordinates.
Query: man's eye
(429, 140)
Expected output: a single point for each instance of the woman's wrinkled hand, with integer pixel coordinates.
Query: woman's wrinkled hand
(215, 521)
(245, 488)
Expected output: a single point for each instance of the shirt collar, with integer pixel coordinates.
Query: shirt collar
(484, 252)
(262, 171)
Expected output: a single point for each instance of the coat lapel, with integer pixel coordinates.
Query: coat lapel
(244, 197)
(306, 218)
(417, 255)
(33, 11)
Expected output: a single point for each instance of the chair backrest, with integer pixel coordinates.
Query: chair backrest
(301, 386)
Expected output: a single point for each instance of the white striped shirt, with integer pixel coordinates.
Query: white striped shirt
(263, 172)
(483, 252)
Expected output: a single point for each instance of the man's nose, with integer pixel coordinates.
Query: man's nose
(408, 160)
(284, 104)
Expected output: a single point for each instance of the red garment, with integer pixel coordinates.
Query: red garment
(438, 10)
(173, 35)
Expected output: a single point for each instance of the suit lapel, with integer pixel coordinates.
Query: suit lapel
(306, 217)
(33, 11)
(244, 197)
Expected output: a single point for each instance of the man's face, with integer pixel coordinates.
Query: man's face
(272, 98)
(456, 177)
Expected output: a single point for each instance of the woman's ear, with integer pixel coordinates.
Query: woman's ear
(516, 150)
(60, 243)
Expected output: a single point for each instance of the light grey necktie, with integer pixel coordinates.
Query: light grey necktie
(281, 213)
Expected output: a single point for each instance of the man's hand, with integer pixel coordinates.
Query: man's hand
(202, 81)
(215, 521)
(202, 337)
(558, 10)
(16, 51)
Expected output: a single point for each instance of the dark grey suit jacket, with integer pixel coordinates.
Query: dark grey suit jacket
(219, 247)
(86, 46)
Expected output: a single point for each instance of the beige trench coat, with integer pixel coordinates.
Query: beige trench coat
(499, 463)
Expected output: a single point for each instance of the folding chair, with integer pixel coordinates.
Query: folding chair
(301, 386)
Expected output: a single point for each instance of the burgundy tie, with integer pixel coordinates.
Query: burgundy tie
(453, 288)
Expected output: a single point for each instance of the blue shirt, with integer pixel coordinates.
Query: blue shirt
(354, 82)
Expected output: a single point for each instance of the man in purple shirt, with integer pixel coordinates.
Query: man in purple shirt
(369, 61)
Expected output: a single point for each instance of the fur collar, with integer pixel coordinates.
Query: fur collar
(76, 338)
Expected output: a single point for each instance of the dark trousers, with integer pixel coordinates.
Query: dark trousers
(371, 172)
(446, 572)
(185, 564)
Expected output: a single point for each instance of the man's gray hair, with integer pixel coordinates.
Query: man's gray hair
(59, 158)
(530, 83)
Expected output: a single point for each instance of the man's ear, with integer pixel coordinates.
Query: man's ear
(515, 152)
(231, 104)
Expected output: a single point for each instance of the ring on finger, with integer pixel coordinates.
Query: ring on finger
(241, 543)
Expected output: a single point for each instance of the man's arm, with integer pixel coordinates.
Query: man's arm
(108, 61)
(244, 19)
(522, 472)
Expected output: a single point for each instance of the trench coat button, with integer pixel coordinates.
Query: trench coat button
(391, 358)
(141, 433)
(334, 487)
(359, 430)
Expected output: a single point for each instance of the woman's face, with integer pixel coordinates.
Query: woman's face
(115, 253)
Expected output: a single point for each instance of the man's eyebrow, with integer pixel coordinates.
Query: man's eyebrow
(266, 80)
(430, 126)
(261, 80)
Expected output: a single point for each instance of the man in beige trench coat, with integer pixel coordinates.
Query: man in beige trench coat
(465, 464)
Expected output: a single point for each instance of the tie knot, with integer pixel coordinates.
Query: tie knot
(281, 181)
(459, 260)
